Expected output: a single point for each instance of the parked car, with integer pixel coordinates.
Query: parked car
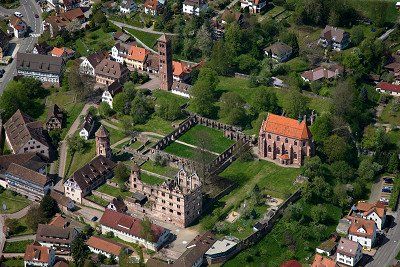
(384, 200)
(18, 14)
(2, 71)
(386, 190)
(388, 180)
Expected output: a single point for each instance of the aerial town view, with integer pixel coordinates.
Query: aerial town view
(190, 133)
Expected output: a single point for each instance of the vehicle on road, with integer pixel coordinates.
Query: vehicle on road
(36, 16)
(18, 14)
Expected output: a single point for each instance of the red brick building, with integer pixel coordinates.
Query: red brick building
(284, 140)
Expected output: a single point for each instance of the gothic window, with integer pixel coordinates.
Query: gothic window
(178, 199)
(295, 155)
(295, 143)
(269, 136)
(278, 151)
(278, 138)
(286, 140)
(269, 148)
(304, 143)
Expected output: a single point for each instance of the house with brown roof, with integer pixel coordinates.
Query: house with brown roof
(87, 127)
(284, 140)
(130, 229)
(60, 21)
(219, 23)
(38, 255)
(45, 68)
(153, 7)
(56, 237)
(64, 203)
(63, 52)
(110, 92)
(334, 37)
(18, 27)
(348, 252)
(42, 49)
(108, 71)
(362, 231)
(89, 63)
(117, 205)
(55, 118)
(254, 6)
(133, 55)
(370, 211)
(24, 134)
(279, 51)
(328, 72)
(322, 261)
(88, 178)
(388, 88)
(108, 248)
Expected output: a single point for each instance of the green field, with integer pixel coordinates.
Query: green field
(23, 228)
(94, 42)
(97, 200)
(156, 125)
(115, 135)
(169, 97)
(216, 141)
(13, 262)
(17, 246)
(188, 152)
(391, 113)
(150, 179)
(13, 203)
(161, 170)
(79, 159)
(149, 39)
(112, 191)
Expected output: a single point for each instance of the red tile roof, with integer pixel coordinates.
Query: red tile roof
(105, 245)
(286, 127)
(388, 87)
(128, 224)
(360, 223)
(368, 208)
(321, 261)
(137, 53)
(38, 253)
(291, 263)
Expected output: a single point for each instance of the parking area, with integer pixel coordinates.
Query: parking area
(381, 190)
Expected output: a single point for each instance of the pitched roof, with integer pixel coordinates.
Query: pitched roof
(119, 204)
(291, 263)
(55, 234)
(153, 61)
(21, 128)
(180, 68)
(105, 245)
(39, 63)
(17, 22)
(96, 58)
(61, 20)
(279, 48)
(151, 4)
(60, 52)
(228, 14)
(96, 169)
(28, 174)
(286, 127)
(29, 160)
(388, 87)
(110, 69)
(394, 66)
(114, 88)
(55, 112)
(102, 132)
(37, 253)
(366, 227)
(347, 247)
(137, 53)
(128, 224)
(333, 34)
(321, 261)
(60, 198)
(367, 208)
(322, 72)
(88, 122)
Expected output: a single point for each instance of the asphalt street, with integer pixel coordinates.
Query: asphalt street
(28, 9)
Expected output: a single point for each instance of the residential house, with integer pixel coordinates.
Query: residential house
(111, 91)
(182, 70)
(348, 252)
(327, 247)
(193, 7)
(133, 55)
(108, 71)
(38, 255)
(181, 89)
(4, 44)
(18, 27)
(394, 69)
(67, 5)
(117, 205)
(108, 248)
(88, 178)
(129, 229)
(42, 49)
(279, 51)
(56, 237)
(45, 68)
(87, 127)
(254, 6)
(219, 23)
(321, 261)
(331, 71)
(388, 88)
(60, 21)
(63, 52)
(24, 135)
(152, 63)
(89, 63)
(64, 203)
(284, 140)
(370, 211)
(127, 6)
(334, 37)
(55, 118)
(122, 37)
(153, 7)
(363, 231)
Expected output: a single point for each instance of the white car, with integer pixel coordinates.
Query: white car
(18, 14)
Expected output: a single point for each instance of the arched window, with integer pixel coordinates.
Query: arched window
(269, 148)
(278, 138)
(269, 136)
(286, 140)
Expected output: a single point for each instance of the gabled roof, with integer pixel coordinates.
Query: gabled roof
(61, 52)
(29, 160)
(111, 69)
(321, 261)
(279, 49)
(102, 132)
(347, 247)
(151, 4)
(114, 88)
(128, 224)
(39, 63)
(323, 72)
(105, 245)
(367, 226)
(37, 253)
(287, 127)
(388, 87)
(88, 123)
(55, 234)
(28, 174)
(137, 53)
(180, 68)
(55, 112)
(333, 34)
(96, 58)
(368, 208)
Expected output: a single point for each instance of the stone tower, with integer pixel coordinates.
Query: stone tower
(103, 146)
(165, 65)
(135, 175)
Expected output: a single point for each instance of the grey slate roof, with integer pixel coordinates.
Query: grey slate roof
(39, 63)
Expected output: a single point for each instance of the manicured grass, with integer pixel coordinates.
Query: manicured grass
(216, 141)
(115, 135)
(149, 39)
(93, 42)
(3, 25)
(184, 151)
(112, 191)
(133, 19)
(391, 113)
(168, 96)
(150, 179)
(13, 203)
(16, 247)
(13, 262)
(394, 137)
(97, 200)
(23, 228)
(162, 170)
(156, 125)
(297, 64)
(79, 159)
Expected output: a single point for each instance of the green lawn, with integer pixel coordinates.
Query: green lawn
(149, 39)
(150, 179)
(97, 200)
(13, 262)
(79, 159)
(156, 125)
(16, 247)
(297, 64)
(184, 151)
(391, 113)
(113, 191)
(162, 170)
(13, 203)
(217, 142)
(23, 228)
(394, 137)
(133, 19)
(115, 135)
(168, 96)
(94, 42)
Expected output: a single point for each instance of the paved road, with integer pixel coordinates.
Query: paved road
(120, 25)
(28, 8)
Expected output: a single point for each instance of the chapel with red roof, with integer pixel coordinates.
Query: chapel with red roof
(284, 140)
